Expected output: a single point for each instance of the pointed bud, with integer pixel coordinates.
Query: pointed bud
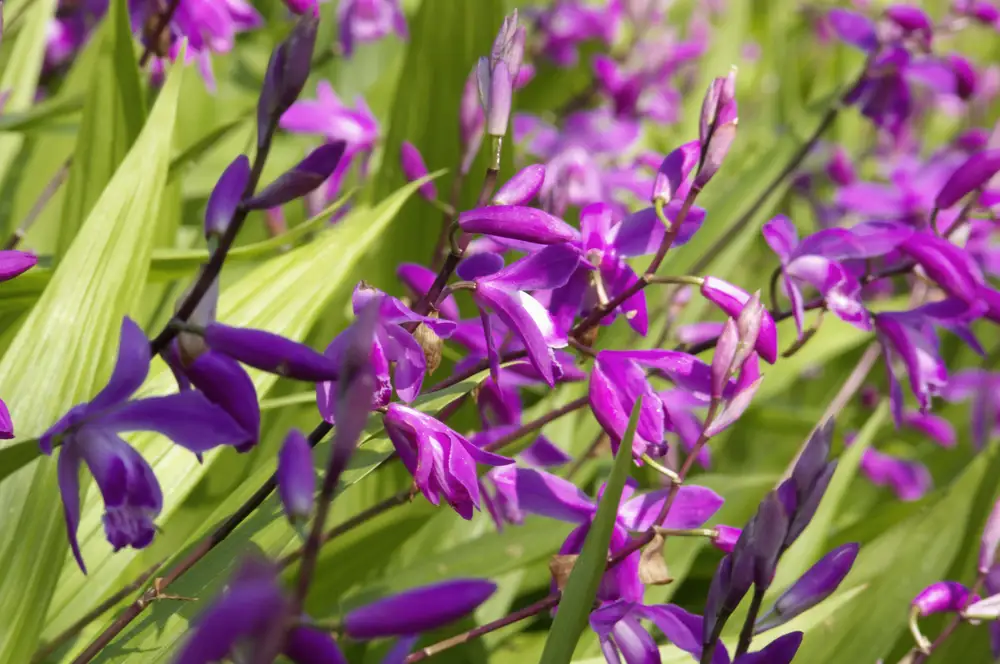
(808, 502)
(286, 74)
(722, 362)
(769, 530)
(974, 173)
(226, 196)
(717, 127)
(418, 610)
(748, 324)
(305, 176)
(990, 540)
(839, 168)
(499, 101)
(726, 537)
(414, 168)
(296, 479)
(818, 583)
(731, 299)
(941, 597)
(516, 222)
(965, 75)
(522, 188)
(271, 353)
(6, 424)
(671, 178)
(13, 263)
(470, 120)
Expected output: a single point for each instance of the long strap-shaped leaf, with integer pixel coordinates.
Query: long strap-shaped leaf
(585, 579)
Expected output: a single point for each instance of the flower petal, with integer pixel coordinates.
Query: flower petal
(187, 418)
(418, 610)
(130, 369)
(545, 494)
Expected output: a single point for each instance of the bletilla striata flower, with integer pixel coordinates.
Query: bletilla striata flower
(364, 21)
(392, 345)
(89, 434)
(538, 492)
(442, 461)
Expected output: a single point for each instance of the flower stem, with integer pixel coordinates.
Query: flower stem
(211, 270)
(39, 206)
(154, 37)
(746, 634)
(546, 602)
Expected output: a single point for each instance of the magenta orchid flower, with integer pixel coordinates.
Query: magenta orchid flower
(362, 21)
(392, 345)
(88, 434)
(538, 492)
(442, 462)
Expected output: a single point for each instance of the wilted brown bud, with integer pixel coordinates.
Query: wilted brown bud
(561, 566)
(652, 564)
(431, 344)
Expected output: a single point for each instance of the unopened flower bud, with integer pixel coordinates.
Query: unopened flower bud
(671, 177)
(839, 168)
(941, 597)
(722, 362)
(731, 299)
(296, 479)
(286, 74)
(226, 196)
(418, 610)
(726, 537)
(974, 173)
(414, 168)
(517, 222)
(748, 325)
(717, 127)
(271, 353)
(522, 188)
(818, 583)
(305, 176)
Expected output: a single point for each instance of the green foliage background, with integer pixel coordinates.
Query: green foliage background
(122, 236)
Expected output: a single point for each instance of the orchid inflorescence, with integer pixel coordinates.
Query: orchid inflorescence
(522, 300)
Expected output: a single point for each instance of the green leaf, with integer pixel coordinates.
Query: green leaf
(41, 115)
(21, 74)
(285, 295)
(896, 566)
(113, 113)
(17, 456)
(581, 587)
(809, 547)
(60, 357)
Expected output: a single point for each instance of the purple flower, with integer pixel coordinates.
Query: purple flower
(973, 174)
(983, 388)
(568, 23)
(910, 336)
(418, 610)
(392, 344)
(328, 116)
(88, 434)
(13, 263)
(419, 280)
(522, 188)
(623, 638)
(540, 493)
(716, 127)
(504, 294)
(731, 299)
(226, 196)
(726, 538)
(671, 178)
(301, 179)
(909, 480)
(802, 263)
(516, 222)
(818, 583)
(270, 352)
(252, 605)
(496, 75)
(209, 26)
(442, 462)
(990, 540)
(6, 425)
(941, 597)
(414, 168)
(950, 267)
(302, 6)
(296, 479)
(363, 21)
